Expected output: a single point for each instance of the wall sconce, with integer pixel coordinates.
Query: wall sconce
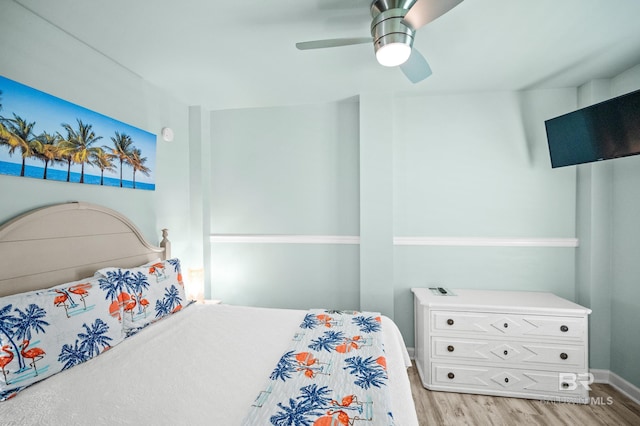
(167, 134)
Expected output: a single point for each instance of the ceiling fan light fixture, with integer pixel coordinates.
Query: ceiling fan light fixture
(392, 37)
(393, 54)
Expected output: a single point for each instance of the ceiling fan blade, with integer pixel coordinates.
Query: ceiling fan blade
(416, 68)
(425, 11)
(334, 42)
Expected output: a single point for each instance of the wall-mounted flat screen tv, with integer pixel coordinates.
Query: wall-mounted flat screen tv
(610, 129)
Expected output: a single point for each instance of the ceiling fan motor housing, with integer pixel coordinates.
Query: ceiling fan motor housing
(388, 25)
(379, 6)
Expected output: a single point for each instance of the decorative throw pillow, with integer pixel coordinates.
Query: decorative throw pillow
(145, 294)
(43, 332)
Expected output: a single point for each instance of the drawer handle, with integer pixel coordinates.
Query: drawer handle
(565, 385)
(506, 325)
(564, 328)
(564, 355)
(450, 348)
(450, 321)
(451, 375)
(506, 380)
(506, 352)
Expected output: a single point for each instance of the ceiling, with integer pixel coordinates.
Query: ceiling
(232, 54)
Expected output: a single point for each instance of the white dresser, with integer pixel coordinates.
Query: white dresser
(505, 343)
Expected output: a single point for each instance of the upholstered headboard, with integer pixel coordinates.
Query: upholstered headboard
(68, 242)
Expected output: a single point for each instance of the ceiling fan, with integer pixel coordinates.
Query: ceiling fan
(393, 29)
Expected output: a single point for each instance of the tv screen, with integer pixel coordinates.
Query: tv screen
(610, 129)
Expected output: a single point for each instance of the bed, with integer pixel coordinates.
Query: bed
(198, 364)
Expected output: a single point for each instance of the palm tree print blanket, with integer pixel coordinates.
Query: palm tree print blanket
(333, 373)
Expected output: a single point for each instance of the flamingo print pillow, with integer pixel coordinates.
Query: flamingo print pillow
(145, 294)
(46, 331)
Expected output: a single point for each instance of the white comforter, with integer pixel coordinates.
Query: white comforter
(197, 367)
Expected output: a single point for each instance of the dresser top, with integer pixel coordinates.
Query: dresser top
(500, 301)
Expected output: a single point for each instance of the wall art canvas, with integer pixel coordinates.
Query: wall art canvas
(48, 138)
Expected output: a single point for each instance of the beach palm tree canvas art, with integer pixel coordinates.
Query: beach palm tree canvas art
(45, 137)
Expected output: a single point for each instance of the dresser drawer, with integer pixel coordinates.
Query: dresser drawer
(494, 324)
(504, 352)
(512, 382)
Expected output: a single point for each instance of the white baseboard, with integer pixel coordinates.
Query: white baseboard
(600, 376)
(610, 378)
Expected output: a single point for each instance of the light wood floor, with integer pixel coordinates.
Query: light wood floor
(608, 407)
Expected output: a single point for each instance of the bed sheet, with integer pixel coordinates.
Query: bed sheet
(199, 366)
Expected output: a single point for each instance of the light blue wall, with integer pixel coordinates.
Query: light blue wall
(608, 205)
(200, 188)
(593, 265)
(35, 53)
(285, 170)
(477, 165)
(376, 203)
(624, 285)
(625, 292)
(607, 267)
(291, 171)
(295, 276)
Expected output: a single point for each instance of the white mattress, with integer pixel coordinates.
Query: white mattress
(200, 366)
